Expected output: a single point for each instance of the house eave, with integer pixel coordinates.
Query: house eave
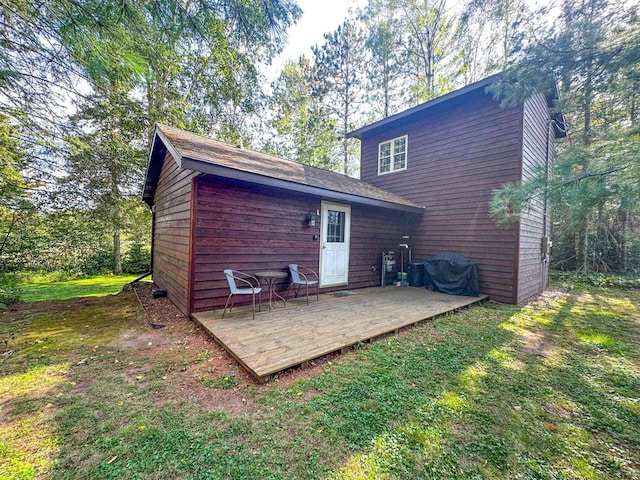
(160, 145)
(485, 82)
(225, 172)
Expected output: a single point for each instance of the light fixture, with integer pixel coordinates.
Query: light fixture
(311, 219)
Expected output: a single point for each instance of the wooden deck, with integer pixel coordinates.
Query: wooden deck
(286, 337)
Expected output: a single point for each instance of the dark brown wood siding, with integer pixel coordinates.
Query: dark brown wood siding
(248, 227)
(172, 208)
(457, 154)
(533, 270)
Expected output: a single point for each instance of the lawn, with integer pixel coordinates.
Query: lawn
(549, 391)
(43, 289)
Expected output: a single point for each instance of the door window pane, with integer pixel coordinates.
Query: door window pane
(335, 226)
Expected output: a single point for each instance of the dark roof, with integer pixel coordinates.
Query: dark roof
(206, 155)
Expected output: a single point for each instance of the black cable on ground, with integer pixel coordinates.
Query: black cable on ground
(153, 325)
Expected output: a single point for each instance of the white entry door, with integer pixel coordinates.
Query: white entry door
(335, 226)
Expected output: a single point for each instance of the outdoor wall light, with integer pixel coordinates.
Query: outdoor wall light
(311, 219)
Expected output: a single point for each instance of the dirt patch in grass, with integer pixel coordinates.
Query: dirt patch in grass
(536, 344)
(179, 334)
(195, 368)
(558, 411)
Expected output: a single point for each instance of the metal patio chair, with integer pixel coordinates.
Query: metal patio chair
(299, 278)
(248, 288)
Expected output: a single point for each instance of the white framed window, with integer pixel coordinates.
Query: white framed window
(392, 155)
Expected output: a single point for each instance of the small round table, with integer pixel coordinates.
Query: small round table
(270, 278)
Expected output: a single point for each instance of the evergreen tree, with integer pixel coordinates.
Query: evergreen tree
(592, 53)
(305, 131)
(106, 160)
(12, 183)
(428, 37)
(339, 69)
(124, 66)
(386, 72)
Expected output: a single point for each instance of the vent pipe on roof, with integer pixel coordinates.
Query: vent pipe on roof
(241, 145)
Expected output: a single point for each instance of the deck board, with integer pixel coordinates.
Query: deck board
(286, 337)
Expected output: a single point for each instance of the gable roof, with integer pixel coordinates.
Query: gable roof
(485, 82)
(559, 123)
(209, 156)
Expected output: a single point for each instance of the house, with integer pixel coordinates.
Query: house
(428, 173)
(453, 152)
(216, 206)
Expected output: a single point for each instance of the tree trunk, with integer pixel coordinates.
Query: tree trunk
(117, 257)
(6, 237)
(345, 146)
(387, 82)
(625, 244)
(584, 251)
(505, 33)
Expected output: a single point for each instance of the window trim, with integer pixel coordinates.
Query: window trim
(391, 142)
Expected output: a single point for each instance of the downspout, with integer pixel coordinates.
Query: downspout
(545, 209)
(546, 244)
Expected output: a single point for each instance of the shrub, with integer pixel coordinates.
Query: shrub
(9, 292)
(137, 259)
(594, 279)
(98, 263)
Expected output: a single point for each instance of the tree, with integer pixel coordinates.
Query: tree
(429, 33)
(386, 70)
(190, 64)
(106, 160)
(339, 66)
(504, 19)
(592, 51)
(306, 133)
(188, 60)
(485, 34)
(12, 182)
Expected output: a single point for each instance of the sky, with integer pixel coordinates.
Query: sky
(318, 17)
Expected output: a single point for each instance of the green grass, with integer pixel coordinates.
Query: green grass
(38, 289)
(549, 391)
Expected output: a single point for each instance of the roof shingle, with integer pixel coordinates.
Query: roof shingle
(197, 153)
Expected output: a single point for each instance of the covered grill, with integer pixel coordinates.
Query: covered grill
(452, 273)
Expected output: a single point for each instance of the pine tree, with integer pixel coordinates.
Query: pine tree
(339, 69)
(305, 131)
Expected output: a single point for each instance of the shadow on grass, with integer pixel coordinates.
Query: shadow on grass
(546, 391)
(492, 409)
(44, 346)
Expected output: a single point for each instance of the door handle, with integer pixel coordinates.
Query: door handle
(324, 245)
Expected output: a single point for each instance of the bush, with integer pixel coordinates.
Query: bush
(137, 259)
(98, 263)
(9, 292)
(594, 279)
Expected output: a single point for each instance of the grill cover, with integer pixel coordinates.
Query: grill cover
(452, 273)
